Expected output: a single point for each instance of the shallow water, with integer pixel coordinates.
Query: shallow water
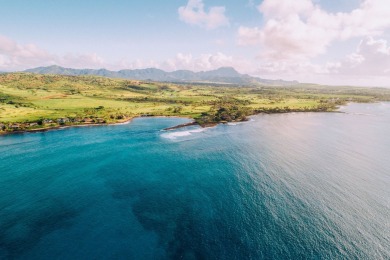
(287, 186)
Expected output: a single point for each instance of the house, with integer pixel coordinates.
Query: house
(62, 121)
(47, 121)
(15, 127)
(100, 120)
(88, 120)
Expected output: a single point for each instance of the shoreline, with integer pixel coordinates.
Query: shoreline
(120, 122)
(40, 130)
(128, 120)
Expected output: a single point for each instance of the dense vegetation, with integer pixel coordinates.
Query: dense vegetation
(32, 101)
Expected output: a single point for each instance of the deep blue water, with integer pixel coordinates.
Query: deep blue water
(287, 186)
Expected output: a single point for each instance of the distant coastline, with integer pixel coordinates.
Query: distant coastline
(36, 102)
(128, 120)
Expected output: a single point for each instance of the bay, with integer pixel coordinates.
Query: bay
(285, 186)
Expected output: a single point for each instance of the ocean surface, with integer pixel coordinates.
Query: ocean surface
(284, 186)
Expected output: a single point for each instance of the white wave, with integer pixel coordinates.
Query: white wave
(175, 135)
(361, 114)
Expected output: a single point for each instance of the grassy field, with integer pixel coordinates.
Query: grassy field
(29, 101)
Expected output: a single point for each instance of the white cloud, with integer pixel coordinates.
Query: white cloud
(194, 13)
(282, 8)
(249, 36)
(15, 56)
(188, 61)
(201, 62)
(300, 29)
(371, 58)
(92, 61)
(135, 64)
(294, 32)
(368, 65)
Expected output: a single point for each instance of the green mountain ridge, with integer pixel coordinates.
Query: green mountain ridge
(226, 75)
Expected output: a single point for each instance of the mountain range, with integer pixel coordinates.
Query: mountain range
(225, 75)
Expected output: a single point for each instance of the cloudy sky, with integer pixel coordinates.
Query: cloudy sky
(322, 41)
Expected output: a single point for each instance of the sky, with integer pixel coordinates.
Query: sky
(337, 42)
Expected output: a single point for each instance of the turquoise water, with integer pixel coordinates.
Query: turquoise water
(287, 186)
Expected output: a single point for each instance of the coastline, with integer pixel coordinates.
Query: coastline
(120, 122)
(128, 120)
(38, 130)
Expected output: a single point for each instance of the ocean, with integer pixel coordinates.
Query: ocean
(281, 186)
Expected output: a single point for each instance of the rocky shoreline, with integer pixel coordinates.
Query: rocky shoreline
(61, 123)
(20, 128)
(180, 126)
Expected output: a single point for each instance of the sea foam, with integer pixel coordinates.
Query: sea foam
(177, 134)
